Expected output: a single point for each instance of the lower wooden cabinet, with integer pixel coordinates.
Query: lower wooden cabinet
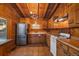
(64, 50)
(59, 49)
(6, 48)
(48, 41)
(73, 52)
(1, 50)
(37, 38)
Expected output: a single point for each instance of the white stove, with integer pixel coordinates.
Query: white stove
(53, 42)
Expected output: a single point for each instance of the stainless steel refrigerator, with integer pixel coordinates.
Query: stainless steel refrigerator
(21, 35)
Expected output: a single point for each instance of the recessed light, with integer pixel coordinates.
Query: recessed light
(31, 12)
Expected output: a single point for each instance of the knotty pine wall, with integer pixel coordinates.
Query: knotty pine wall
(60, 11)
(42, 22)
(75, 32)
(7, 12)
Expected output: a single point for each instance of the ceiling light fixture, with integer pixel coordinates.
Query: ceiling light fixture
(31, 12)
(35, 16)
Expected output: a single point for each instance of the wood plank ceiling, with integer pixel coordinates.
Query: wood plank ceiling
(43, 10)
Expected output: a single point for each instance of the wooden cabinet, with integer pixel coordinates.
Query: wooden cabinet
(6, 48)
(71, 15)
(60, 12)
(59, 49)
(73, 52)
(65, 50)
(77, 15)
(48, 40)
(1, 51)
(72, 10)
(37, 38)
(62, 49)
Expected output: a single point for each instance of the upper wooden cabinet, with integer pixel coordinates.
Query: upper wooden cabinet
(71, 14)
(77, 13)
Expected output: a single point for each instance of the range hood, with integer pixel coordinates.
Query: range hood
(35, 25)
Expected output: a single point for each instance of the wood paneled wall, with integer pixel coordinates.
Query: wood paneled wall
(75, 32)
(42, 22)
(7, 12)
(72, 21)
(56, 27)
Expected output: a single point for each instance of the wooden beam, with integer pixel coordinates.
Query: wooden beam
(18, 5)
(23, 7)
(53, 10)
(46, 6)
(50, 10)
(16, 8)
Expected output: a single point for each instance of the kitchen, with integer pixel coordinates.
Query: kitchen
(39, 29)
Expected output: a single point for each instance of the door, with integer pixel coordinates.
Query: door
(21, 34)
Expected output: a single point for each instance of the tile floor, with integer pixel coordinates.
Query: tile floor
(31, 50)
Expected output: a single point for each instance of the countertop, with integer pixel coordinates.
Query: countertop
(4, 41)
(37, 33)
(73, 43)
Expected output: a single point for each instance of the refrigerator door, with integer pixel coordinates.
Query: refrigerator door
(21, 34)
(21, 29)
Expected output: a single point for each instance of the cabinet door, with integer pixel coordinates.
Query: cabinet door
(71, 13)
(65, 8)
(5, 53)
(77, 14)
(59, 49)
(7, 47)
(73, 52)
(62, 49)
(1, 51)
(48, 40)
